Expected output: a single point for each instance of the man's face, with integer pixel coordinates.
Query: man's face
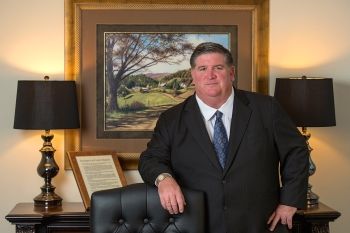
(212, 77)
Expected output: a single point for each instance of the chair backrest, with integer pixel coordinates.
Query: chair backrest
(136, 209)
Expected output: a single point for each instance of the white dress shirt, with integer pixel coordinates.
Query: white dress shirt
(209, 117)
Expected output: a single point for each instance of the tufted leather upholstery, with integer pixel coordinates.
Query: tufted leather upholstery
(136, 209)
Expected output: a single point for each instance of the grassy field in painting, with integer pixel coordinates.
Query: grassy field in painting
(140, 111)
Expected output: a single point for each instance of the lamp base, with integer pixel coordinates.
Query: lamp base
(47, 198)
(312, 198)
(47, 169)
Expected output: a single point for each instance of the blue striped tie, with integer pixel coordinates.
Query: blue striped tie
(220, 139)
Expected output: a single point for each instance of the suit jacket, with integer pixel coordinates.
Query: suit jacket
(264, 148)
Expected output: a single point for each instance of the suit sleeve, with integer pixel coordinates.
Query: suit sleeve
(294, 158)
(156, 158)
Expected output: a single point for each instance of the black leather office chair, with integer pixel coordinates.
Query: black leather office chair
(136, 209)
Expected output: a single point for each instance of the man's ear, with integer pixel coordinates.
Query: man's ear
(192, 71)
(232, 73)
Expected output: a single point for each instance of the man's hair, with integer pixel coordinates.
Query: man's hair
(210, 47)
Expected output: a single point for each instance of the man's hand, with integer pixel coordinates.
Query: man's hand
(171, 196)
(284, 214)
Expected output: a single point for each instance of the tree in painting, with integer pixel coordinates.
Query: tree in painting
(128, 53)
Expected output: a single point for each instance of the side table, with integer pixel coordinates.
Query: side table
(314, 220)
(71, 217)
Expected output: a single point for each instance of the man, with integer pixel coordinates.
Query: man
(237, 157)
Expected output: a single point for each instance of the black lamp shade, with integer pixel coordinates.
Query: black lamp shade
(308, 101)
(46, 105)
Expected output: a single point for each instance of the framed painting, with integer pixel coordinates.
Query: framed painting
(155, 73)
(83, 63)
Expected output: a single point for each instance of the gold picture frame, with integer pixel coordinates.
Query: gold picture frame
(80, 53)
(94, 171)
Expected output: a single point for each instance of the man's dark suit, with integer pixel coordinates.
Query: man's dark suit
(241, 197)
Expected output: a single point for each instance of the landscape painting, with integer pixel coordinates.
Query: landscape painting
(145, 73)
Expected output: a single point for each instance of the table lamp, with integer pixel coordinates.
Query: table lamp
(310, 103)
(46, 105)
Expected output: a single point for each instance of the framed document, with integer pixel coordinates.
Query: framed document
(94, 171)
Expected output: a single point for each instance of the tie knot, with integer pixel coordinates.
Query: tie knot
(218, 114)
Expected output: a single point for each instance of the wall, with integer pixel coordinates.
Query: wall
(307, 38)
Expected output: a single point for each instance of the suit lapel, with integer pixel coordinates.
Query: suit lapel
(195, 124)
(240, 118)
